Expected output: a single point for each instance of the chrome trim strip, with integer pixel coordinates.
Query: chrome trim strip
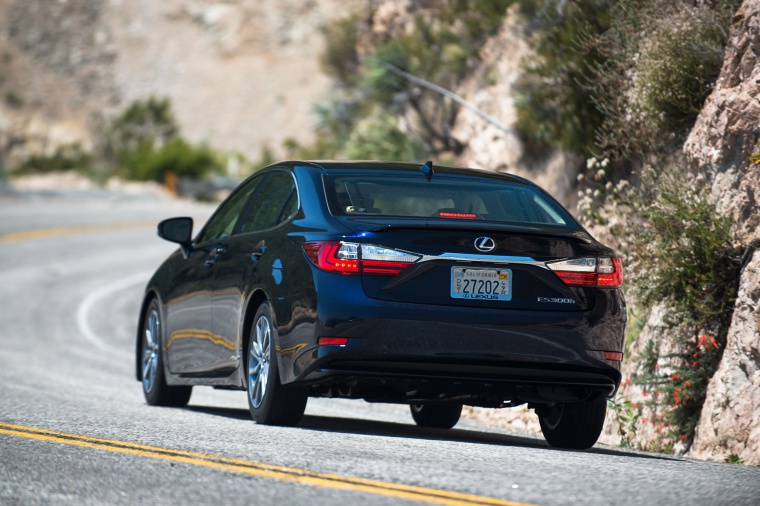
(495, 259)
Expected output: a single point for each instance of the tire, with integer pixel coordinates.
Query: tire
(573, 425)
(439, 416)
(270, 402)
(155, 389)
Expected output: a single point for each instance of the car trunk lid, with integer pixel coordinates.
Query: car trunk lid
(452, 271)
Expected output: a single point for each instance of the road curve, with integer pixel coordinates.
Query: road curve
(74, 428)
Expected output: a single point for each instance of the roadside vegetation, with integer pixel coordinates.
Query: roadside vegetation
(621, 83)
(376, 109)
(142, 143)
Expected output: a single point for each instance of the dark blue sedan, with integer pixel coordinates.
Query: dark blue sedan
(431, 286)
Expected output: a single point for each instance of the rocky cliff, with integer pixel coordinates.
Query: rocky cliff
(722, 144)
(721, 148)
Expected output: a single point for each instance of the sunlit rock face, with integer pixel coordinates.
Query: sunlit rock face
(722, 144)
(730, 422)
(726, 132)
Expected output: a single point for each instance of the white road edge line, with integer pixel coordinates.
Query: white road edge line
(83, 312)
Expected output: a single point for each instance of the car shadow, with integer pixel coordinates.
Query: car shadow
(401, 430)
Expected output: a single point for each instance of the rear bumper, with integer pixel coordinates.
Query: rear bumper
(470, 351)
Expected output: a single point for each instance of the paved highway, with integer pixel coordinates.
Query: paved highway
(74, 428)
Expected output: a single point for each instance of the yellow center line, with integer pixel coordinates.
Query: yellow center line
(45, 233)
(289, 474)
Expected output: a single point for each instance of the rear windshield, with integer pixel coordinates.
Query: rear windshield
(443, 197)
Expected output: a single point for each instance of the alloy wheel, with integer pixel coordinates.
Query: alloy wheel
(258, 361)
(150, 350)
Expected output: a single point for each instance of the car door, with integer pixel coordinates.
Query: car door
(191, 346)
(252, 258)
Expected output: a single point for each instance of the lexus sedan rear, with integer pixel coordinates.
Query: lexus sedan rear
(435, 287)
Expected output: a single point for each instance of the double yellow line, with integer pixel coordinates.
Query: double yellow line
(258, 469)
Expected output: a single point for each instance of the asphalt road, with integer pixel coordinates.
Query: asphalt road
(74, 428)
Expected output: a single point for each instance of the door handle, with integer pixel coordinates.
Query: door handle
(214, 254)
(257, 252)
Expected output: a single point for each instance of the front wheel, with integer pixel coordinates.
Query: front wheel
(439, 416)
(155, 389)
(270, 402)
(573, 425)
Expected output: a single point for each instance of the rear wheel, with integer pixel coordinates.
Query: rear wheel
(439, 416)
(155, 389)
(574, 425)
(270, 402)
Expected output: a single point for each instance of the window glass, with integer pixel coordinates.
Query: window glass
(444, 197)
(223, 222)
(274, 203)
(290, 207)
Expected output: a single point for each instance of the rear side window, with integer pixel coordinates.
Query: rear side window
(444, 197)
(225, 219)
(274, 203)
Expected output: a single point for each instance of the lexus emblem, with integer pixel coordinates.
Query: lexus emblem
(484, 244)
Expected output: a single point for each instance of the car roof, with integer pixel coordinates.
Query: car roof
(334, 167)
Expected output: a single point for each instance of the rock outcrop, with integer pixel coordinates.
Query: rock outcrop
(730, 421)
(721, 144)
(53, 74)
(728, 128)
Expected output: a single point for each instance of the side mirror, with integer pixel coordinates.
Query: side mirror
(179, 230)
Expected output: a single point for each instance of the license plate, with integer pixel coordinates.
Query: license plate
(481, 284)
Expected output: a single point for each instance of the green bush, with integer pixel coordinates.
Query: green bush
(144, 142)
(141, 143)
(663, 59)
(64, 158)
(678, 65)
(178, 156)
(144, 123)
(377, 137)
(555, 106)
(625, 78)
(686, 249)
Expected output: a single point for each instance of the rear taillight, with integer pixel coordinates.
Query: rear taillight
(602, 272)
(351, 258)
(384, 261)
(333, 256)
(609, 272)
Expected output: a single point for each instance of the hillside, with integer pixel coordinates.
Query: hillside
(242, 75)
